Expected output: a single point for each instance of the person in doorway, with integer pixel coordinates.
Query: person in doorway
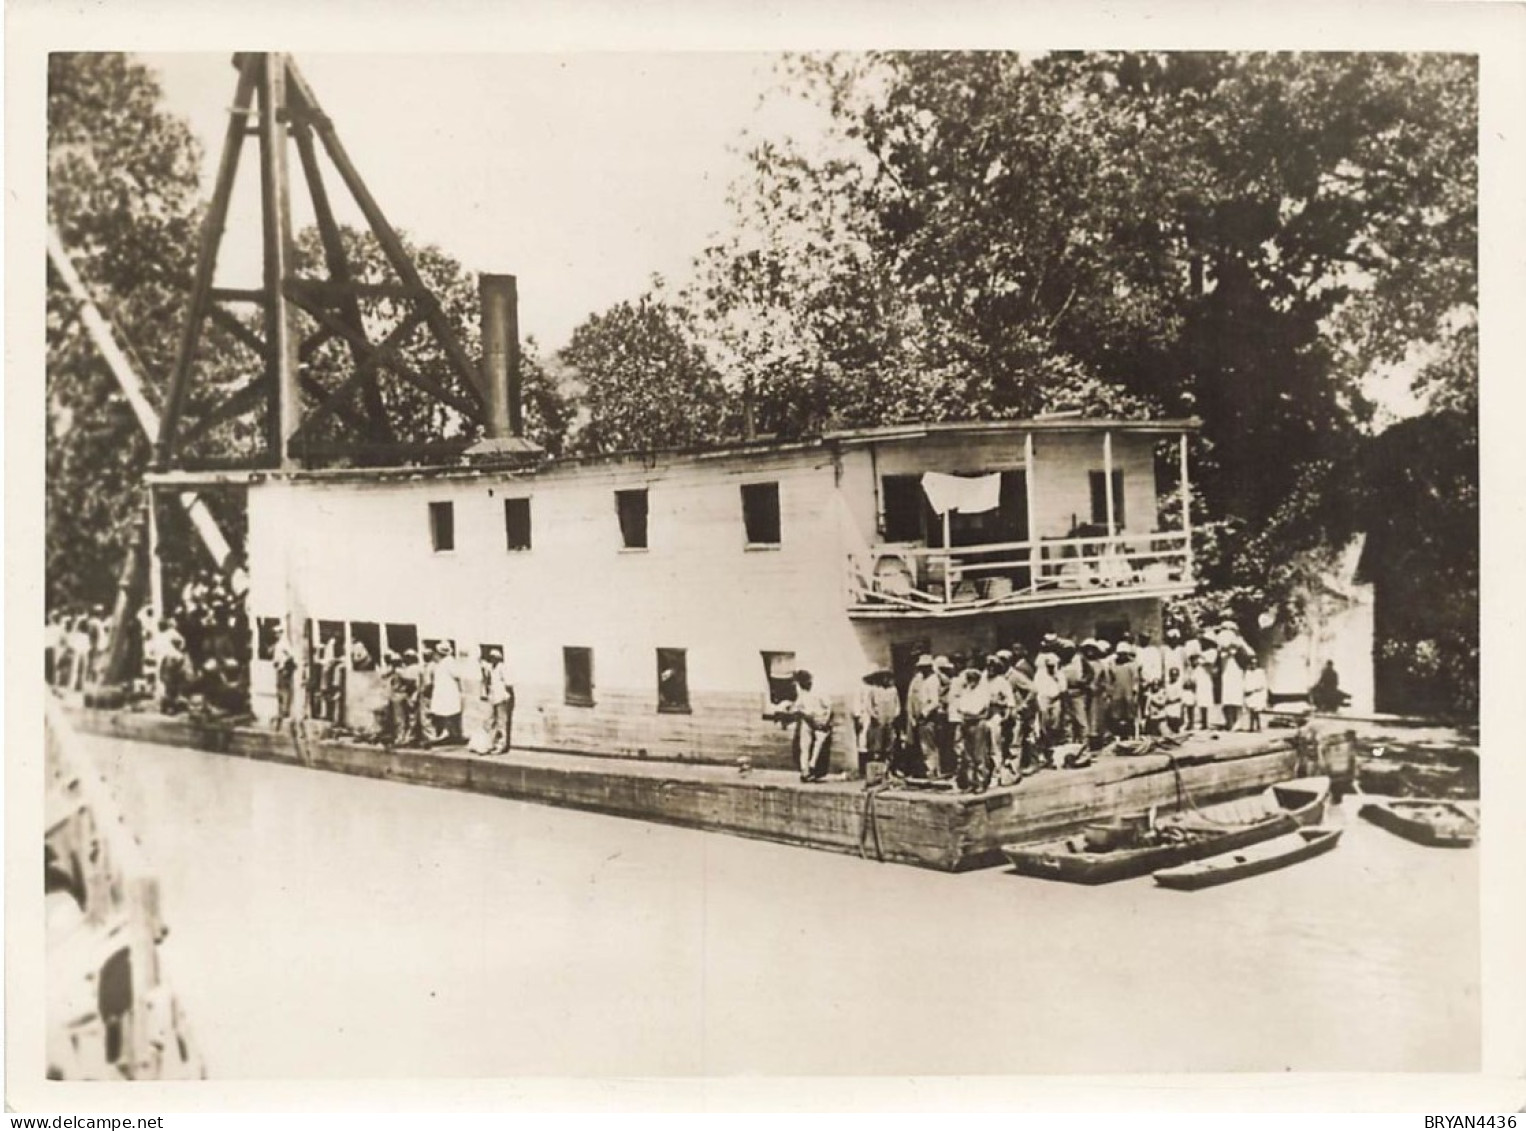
(284, 660)
(445, 696)
(500, 700)
(811, 714)
(403, 699)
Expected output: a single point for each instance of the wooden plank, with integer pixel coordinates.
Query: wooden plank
(237, 329)
(392, 246)
(281, 363)
(371, 356)
(206, 260)
(241, 400)
(473, 411)
(236, 294)
(339, 268)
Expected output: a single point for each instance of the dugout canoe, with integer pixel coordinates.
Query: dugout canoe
(1437, 824)
(1254, 860)
(1180, 838)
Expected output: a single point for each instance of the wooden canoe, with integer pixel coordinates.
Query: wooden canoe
(1438, 824)
(1268, 856)
(1180, 838)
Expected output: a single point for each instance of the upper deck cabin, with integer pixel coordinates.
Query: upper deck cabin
(959, 519)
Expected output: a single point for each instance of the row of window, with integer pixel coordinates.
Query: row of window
(760, 518)
(577, 662)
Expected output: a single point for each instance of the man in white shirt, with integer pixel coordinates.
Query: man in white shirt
(812, 714)
(500, 697)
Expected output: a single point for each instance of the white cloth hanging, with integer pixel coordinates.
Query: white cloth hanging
(965, 494)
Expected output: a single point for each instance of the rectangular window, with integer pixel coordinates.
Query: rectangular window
(402, 638)
(265, 644)
(779, 669)
(631, 506)
(901, 496)
(577, 670)
(442, 526)
(1099, 499)
(516, 523)
(368, 635)
(760, 513)
(429, 647)
(673, 680)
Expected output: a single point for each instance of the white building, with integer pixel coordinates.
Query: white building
(655, 604)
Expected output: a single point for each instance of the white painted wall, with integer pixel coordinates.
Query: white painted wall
(359, 549)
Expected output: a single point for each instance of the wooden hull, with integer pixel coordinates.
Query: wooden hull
(1285, 807)
(1435, 824)
(1268, 856)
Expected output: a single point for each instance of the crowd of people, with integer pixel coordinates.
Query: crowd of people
(424, 700)
(996, 716)
(196, 656)
(76, 643)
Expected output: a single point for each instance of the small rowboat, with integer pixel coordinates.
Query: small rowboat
(1267, 856)
(1440, 824)
(1125, 849)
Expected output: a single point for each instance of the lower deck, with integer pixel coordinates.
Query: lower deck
(932, 829)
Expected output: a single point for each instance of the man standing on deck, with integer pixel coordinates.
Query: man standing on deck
(1125, 692)
(812, 715)
(284, 660)
(877, 710)
(970, 710)
(924, 696)
(500, 699)
(403, 696)
(445, 695)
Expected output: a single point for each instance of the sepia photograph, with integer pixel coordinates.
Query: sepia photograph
(868, 562)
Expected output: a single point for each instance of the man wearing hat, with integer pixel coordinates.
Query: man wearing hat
(403, 698)
(1125, 689)
(445, 694)
(970, 711)
(874, 717)
(1099, 713)
(1075, 701)
(500, 699)
(924, 701)
(812, 715)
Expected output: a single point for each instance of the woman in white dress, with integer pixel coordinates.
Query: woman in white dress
(445, 695)
(1231, 687)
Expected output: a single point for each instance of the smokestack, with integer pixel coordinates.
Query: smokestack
(500, 355)
(505, 441)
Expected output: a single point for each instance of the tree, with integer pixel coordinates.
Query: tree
(645, 384)
(415, 416)
(122, 191)
(1239, 237)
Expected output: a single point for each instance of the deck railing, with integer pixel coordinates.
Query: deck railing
(912, 579)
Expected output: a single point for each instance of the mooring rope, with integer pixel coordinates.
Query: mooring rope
(870, 821)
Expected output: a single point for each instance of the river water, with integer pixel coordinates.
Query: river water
(332, 926)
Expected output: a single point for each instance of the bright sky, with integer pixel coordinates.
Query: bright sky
(582, 174)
